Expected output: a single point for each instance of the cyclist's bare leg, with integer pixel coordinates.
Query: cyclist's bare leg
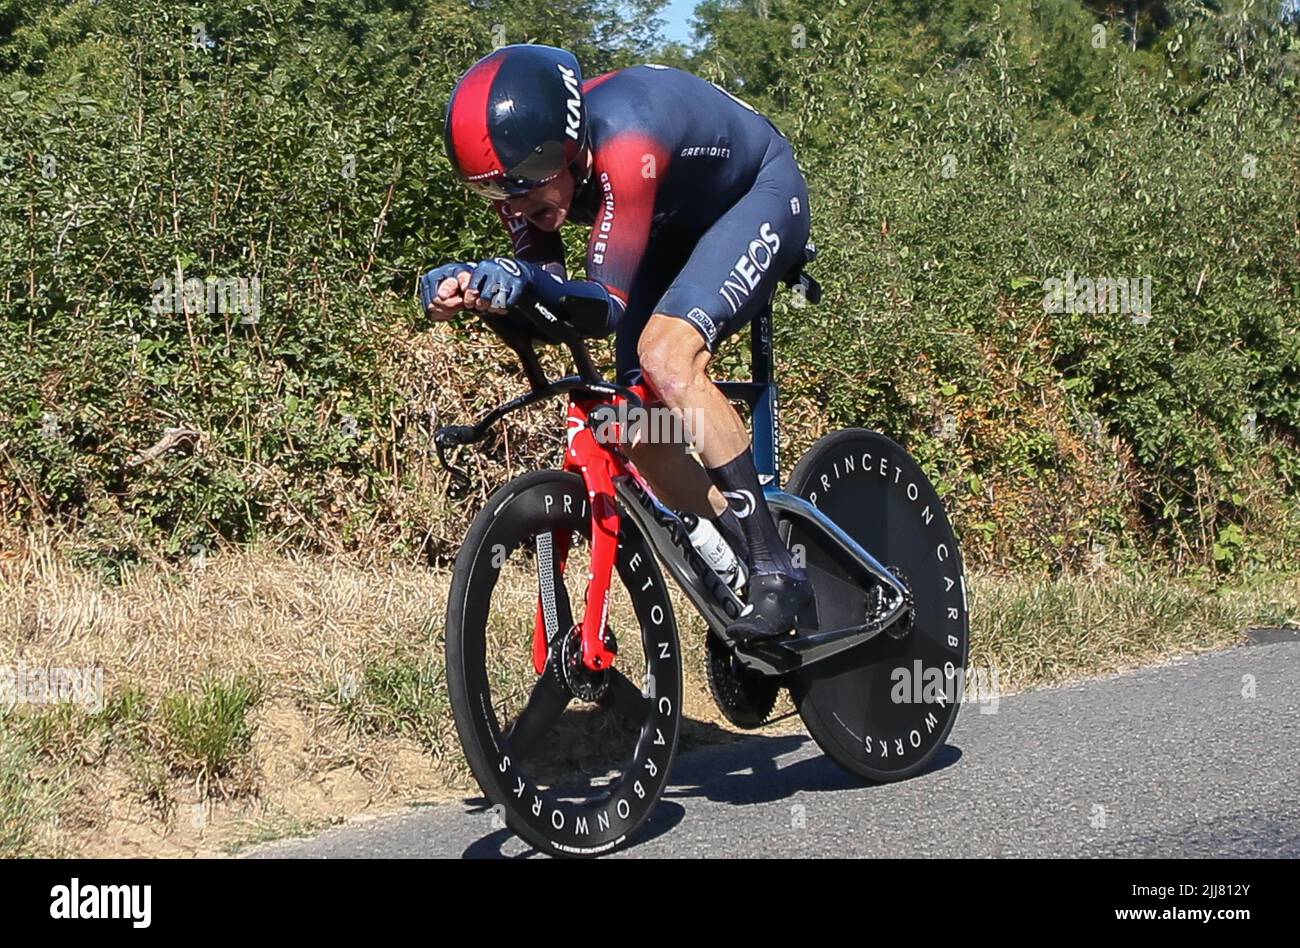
(674, 361)
(678, 372)
(677, 477)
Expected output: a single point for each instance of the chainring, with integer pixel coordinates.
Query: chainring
(745, 698)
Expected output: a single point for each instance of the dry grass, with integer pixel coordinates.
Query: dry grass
(207, 759)
(264, 694)
(1034, 632)
(299, 622)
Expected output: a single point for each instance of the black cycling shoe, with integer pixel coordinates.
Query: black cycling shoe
(774, 602)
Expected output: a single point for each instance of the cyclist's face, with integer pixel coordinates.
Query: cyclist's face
(546, 207)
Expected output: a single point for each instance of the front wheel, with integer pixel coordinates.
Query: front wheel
(573, 760)
(884, 709)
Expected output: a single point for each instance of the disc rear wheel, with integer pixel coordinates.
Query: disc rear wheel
(884, 709)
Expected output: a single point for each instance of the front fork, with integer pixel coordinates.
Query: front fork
(586, 457)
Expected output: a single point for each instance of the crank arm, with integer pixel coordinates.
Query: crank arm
(780, 656)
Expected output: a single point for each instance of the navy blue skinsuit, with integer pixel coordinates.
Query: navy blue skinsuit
(696, 203)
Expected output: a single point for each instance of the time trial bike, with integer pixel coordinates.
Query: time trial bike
(570, 717)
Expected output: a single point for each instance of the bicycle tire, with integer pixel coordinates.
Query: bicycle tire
(873, 709)
(556, 500)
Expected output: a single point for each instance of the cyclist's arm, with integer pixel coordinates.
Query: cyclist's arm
(627, 206)
(618, 237)
(557, 294)
(542, 248)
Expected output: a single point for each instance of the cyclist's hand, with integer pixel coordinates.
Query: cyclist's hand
(442, 290)
(495, 285)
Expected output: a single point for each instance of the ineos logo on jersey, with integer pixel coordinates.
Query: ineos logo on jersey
(749, 269)
(742, 502)
(574, 103)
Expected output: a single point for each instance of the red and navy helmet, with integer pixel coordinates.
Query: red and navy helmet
(516, 120)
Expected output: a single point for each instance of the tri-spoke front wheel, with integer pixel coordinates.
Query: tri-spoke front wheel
(575, 759)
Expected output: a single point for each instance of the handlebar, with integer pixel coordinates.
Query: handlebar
(524, 325)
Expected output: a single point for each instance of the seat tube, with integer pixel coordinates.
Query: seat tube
(766, 416)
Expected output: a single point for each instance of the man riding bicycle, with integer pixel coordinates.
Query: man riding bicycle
(697, 209)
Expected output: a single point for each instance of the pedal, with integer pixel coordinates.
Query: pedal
(766, 657)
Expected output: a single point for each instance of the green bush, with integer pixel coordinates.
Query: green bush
(959, 155)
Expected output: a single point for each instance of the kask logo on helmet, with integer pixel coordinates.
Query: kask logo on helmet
(574, 103)
(514, 122)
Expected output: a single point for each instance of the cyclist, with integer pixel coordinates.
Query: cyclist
(697, 209)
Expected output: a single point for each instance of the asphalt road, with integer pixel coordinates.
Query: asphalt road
(1196, 758)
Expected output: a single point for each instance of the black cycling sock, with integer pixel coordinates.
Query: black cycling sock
(738, 481)
(728, 525)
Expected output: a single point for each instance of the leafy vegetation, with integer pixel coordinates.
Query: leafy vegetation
(960, 155)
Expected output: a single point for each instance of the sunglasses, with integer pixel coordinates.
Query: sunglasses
(504, 187)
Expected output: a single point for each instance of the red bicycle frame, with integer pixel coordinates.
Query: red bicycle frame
(597, 465)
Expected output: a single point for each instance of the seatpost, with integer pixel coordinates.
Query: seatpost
(767, 452)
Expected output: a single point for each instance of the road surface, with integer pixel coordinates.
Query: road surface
(1199, 757)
